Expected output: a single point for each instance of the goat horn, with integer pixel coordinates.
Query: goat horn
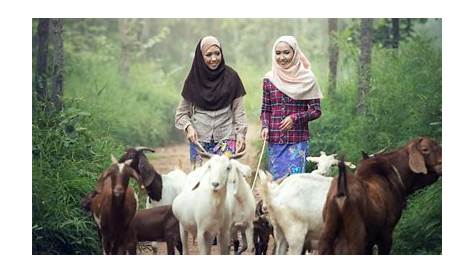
(238, 155)
(114, 161)
(378, 152)
(202, 151)
(144, 148)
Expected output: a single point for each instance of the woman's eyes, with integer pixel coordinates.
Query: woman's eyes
(215, 53)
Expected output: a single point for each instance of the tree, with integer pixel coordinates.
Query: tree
(41, 82)
(395, 32)
(364, 63)
(126, 43)
(333, 55)
(58, 63)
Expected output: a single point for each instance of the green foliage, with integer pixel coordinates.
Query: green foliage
(404, 102)
(139, 111)
(69, 152)
(419, 230)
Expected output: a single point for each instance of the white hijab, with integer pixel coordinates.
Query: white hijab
(297, 81)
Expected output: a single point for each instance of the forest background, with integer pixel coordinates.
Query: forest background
(100, 85)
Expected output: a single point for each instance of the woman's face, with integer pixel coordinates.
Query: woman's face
(212, 57)
(283, 54)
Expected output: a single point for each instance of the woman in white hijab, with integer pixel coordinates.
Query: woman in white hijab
(291, 98)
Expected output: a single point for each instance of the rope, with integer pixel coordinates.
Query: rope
(258, 165)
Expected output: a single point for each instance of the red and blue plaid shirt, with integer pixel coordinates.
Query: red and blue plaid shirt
(276, 106)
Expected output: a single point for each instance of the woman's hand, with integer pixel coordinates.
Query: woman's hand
(264, 134)
(191, 134)
(287, 123)
(240, 145)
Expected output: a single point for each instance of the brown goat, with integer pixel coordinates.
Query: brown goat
(362, 209)
(113, 206)
(157, 224)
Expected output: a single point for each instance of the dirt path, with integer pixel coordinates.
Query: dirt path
(170, 157)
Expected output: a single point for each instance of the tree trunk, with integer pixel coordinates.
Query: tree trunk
(125, 28)
(395, 32)
(364, 63)
(58, 63)
(333, 56)
(41, 82)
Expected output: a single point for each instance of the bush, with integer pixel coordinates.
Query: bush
(405, 102)
(69, 152)
(420, 228)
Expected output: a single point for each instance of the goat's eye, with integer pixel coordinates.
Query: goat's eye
(228, 168)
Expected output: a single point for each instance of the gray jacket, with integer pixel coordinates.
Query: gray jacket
(227, 123)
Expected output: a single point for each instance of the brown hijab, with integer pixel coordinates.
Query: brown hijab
(211, 89)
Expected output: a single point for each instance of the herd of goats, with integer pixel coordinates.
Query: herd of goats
(306, 213)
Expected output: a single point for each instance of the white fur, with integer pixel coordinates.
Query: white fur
(295, 208)
(325, 162)
(241, 203)
(201, 207)
(173, 183)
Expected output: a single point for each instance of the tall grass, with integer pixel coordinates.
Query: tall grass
(69, 152)
(405, 102)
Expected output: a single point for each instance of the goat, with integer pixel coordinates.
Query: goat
(156, 224)
(295, 208)
(242, 206)
(325, 162)
(262, 230)
(362, 209)
(161, 189)
(113, 206)
(201, 207)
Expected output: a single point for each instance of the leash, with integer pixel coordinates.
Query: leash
(259, 162)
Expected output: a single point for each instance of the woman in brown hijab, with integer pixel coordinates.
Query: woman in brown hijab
(211, 111)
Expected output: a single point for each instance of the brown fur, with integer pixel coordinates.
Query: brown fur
(114, 203)
(375, 196)
(157, 224)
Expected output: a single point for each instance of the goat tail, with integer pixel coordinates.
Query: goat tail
(341, 193)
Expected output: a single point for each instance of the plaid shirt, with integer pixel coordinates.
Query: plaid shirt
(276, 106)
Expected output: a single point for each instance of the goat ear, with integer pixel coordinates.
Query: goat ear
(128, 162)
(415, 159)
(135, 175)
(114, 161)
(350, 165)
(269, 175)
(322, 153)
(245, 169)
(262, 175)
(100, 181)
(312, 159)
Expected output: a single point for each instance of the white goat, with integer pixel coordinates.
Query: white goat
(242, 205)
(325, 162)
(201, 207)
(295, 208)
